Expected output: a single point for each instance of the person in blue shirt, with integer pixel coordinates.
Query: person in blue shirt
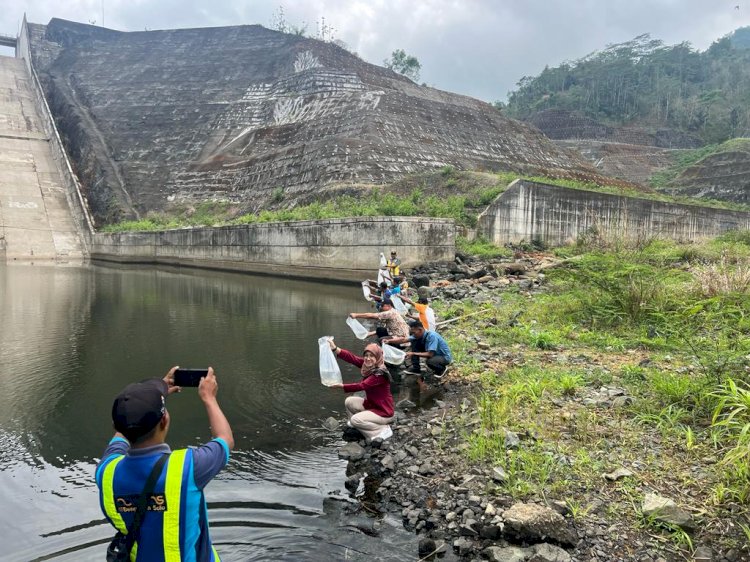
(175, 524)
(385, 294)
(428, 345)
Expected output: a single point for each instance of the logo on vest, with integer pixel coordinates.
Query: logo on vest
(129, 504)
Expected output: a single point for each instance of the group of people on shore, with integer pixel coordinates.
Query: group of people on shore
(153, 496)
(373, 414)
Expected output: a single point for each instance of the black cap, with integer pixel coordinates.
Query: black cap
(415, 324)
(139, 407)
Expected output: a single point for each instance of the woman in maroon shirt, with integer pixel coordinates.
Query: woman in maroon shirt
(372, 414)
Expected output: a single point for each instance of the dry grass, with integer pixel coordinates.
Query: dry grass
(722, 277)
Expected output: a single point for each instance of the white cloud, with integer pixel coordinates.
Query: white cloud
(474, 47)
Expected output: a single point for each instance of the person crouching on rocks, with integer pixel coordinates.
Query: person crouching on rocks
(373, 414)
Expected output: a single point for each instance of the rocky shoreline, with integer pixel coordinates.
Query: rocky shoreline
(420, 474)
(458, 508)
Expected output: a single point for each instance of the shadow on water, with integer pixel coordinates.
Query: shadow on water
(72, 337)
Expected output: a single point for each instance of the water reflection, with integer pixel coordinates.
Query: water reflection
(72, 337)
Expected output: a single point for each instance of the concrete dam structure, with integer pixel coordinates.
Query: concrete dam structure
(35, 219)
(157, 118)
(529, 211)
(123, 123)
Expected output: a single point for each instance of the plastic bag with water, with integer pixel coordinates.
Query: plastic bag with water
(383, 261)
(393, 355)
(366, 291)
(329, 369)
(384, 276)
(359, 330)
(399, 305)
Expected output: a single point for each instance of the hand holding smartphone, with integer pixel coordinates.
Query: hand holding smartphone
(189, 377)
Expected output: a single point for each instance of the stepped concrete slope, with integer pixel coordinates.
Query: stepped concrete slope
(35, 220)
(628, 153)
(251, 116)
(724, 176)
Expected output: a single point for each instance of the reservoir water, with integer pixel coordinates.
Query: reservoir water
(72, 337)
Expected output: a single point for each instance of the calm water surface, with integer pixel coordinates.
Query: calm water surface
(71, 338)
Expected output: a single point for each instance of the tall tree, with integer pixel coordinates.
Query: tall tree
(646, 83)
(402, 63)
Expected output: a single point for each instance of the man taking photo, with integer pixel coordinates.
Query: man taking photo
(174, 525)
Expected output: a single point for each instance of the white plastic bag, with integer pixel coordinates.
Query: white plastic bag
(330, 373)
(366, 291)
(383, 261)
(399, 305)
(393, 355)
(359, 330)
(384, 275)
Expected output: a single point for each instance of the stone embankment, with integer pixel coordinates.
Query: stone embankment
(462, 509)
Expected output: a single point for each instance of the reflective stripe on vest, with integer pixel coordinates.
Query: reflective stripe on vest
(109, 499)
(109, 502)
(179, 526)
(173, 493)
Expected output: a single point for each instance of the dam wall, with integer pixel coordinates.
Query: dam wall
(335, 249)
(35, 219)
(530, 211)
(76, 201)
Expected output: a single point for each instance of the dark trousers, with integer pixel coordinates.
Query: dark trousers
(436, 363)
(381, 332)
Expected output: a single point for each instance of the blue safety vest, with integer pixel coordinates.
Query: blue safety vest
(175, 526)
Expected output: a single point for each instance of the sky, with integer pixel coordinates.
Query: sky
(480, 48)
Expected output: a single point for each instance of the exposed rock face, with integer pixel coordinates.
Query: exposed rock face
(246, 114)
(560, 124)
(629, 153)
(632, 162)
(724, 176)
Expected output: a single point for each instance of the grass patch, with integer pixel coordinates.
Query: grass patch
(641, 318)
(480, 247)
(446, 193)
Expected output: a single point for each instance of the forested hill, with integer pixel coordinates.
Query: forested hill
(645, 83)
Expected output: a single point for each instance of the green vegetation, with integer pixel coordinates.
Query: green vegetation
(667, 323)
(645, 82)
(456, 197)
(682, 160)
(481, 247)
(686, 158)
(447, 193)
(402, 63)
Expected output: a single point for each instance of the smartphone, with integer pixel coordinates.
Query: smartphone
(189, 377)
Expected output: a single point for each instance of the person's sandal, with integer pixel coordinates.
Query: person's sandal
(441, 375)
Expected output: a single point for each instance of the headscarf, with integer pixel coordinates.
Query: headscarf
(379, 368)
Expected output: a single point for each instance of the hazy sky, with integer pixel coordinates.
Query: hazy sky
(476, 47)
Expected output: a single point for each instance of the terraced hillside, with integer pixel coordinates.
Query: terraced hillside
(722, 172)
(248, 115)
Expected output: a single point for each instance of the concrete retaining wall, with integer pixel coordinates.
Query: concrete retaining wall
(343, 249)
(556, 215)
(73, 192)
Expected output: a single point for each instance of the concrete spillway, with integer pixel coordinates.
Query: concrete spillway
(35, 219)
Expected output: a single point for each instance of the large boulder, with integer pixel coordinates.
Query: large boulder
(665, 510)
(351, 451)
(535, 523)
(420, 280)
